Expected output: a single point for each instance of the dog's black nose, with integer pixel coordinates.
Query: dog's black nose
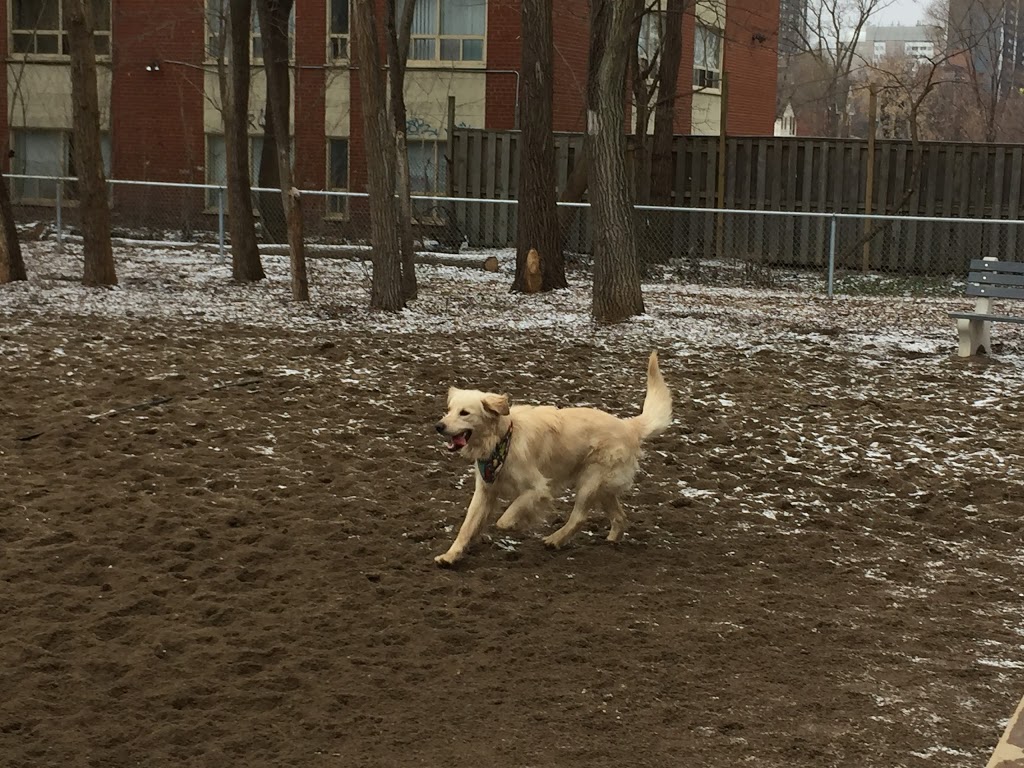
(439, 426)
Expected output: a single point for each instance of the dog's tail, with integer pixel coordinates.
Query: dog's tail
(657, 413)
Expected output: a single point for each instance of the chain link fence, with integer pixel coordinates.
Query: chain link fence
(807, 251)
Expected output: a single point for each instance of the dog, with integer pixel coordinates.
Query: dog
(531, 454)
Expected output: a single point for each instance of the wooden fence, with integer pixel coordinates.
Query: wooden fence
(964, 181)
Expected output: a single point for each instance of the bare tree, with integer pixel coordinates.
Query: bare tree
(273, 16)
(94, 203)
(981, 44)
(669, 58)
(831, 37)
(538, 211)
(617, 294)
(399, 33)
(12, 265)
(234, 21)
(645, 45)
(379, 129)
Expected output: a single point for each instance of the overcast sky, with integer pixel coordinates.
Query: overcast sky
(903, 12)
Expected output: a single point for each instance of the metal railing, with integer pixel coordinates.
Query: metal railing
(804, 250)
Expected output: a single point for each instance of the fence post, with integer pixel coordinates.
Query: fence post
(220, 222)
(60, 222)
(831, 253)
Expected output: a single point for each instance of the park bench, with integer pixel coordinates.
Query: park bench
(988, 279)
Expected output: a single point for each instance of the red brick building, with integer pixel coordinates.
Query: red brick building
(158, 84)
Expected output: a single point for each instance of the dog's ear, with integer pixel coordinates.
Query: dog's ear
(496, 404)
(451, 393)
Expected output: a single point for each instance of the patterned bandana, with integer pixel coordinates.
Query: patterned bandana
(490, 467)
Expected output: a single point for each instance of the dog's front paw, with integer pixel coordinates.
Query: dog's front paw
(447, 560)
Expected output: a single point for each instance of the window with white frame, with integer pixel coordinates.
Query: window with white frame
(707, 57)
(426, 167)
(649, 40)
(448, 31)
(217, 30)
(427, 176)
(337, 176)
(38, 27)
(217, 164)
(47, 154)
(337, 30)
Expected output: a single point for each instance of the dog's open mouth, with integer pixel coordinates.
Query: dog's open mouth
(458, 442)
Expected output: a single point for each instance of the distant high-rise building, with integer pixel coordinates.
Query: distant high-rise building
(988, 37)
(792, 26)
(920, 42)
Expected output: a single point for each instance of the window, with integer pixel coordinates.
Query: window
(707, 57)
(427, 176)
(648, 46)
(338, 30)
(37, 27)
(217, 166)
(216, 31)
(426, 167)
(448, 30)
(337, 176)
(46, 153)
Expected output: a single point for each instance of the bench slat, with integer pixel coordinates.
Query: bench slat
(991, 318)
(995, 278)
(995, 291)
(1013, 267)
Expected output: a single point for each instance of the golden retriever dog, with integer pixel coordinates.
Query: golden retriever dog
(530, 454)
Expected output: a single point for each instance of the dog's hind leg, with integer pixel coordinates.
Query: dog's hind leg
(588, 492)
(613, 508)
(529, 507)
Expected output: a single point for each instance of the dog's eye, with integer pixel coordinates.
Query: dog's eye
(463, 412)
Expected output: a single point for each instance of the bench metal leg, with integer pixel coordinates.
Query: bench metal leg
(974, 335)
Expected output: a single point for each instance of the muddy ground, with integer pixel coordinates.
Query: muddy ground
(217, 544)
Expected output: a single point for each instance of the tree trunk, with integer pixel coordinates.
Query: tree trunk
(617, 294)
(641, 115)
(94, 204)
(665, 109)
(538, 212)
(398, 53)
(273, 15)
(12, 265)
(234, 87)
(378, 126)
(272, 216)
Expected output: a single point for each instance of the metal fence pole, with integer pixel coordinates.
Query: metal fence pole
(220, 221)
(831, 253)
(60, 223)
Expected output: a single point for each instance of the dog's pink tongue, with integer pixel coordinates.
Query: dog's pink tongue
(459, 441)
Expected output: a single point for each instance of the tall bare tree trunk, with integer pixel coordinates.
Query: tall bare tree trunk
(659, 240)
(272, 216)
(379, 129)
(642, 93)
(665, 109)
(12, 265)
(94, 204)
(538, 211)
(398, 54)
(273, 15)
(234, 87)
(617, 294)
